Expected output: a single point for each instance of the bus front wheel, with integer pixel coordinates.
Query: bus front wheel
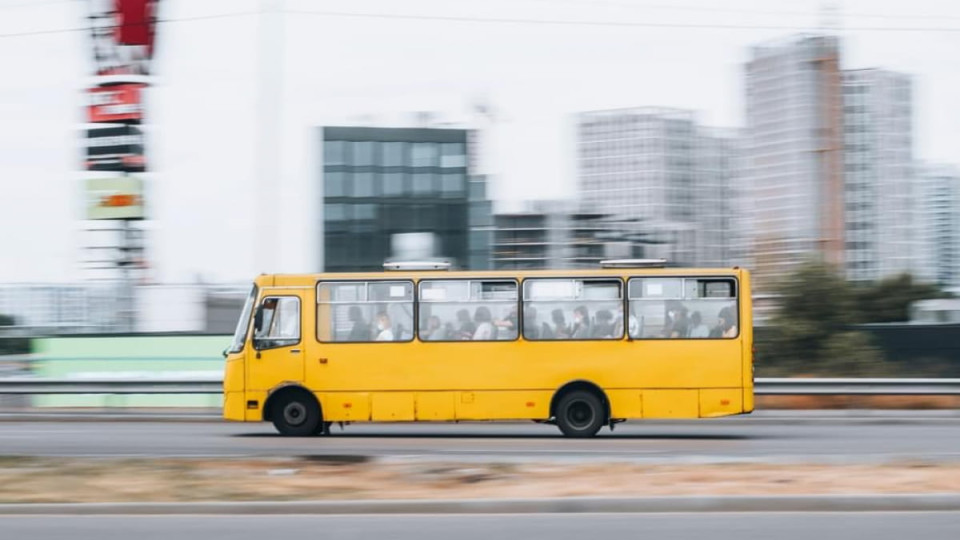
(296, 414)
(580, 414)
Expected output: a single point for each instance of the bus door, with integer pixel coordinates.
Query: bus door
(277, 353)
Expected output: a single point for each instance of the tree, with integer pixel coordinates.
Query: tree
(812, 327)
(853, 354)
(889, 300)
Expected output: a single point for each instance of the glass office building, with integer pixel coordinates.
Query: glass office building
(381, 182)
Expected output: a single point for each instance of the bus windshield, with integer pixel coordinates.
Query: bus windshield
(240, 335)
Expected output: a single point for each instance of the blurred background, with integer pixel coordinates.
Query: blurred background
(156, 155)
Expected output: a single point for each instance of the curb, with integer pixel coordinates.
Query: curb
(798, 503)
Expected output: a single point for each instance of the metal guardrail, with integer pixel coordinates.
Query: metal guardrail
(210, 385)
(33, 385)
(857, 386)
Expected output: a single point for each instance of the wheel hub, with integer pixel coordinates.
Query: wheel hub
(295, 414)
(580, 414)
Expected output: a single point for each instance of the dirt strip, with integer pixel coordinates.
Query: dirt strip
(857, 402)
(185, 480)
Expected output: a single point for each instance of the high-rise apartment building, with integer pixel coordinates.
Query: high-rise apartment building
(880, 195)
(939, 224)
(720, 218)
(657, 166)
(382, 184)
(794, 184)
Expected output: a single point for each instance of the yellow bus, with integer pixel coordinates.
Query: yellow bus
(581, 349)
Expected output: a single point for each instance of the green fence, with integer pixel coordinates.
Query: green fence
(129, 357)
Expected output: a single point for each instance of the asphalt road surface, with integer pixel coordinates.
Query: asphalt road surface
(732, 526)
(806, 437)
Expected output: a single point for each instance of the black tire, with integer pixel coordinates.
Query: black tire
(296, 414)
(580, 414)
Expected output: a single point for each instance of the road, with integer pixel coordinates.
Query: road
(733, 526)
(769, 438)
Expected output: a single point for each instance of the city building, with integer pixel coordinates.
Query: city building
(91, 308)
(659, 167)
(880, 195)
(480, 222)
(794, 183)
(385, 189)
(557, 234)
(939, 223)
(721, 219)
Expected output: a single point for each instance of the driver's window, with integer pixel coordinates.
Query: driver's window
(279, 324)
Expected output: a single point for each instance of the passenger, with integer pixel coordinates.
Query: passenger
(267, 314)
(434, 331)
(507, 326)
(604, 327)
(485, 330)
(697, 328)
(681, 326)
(360, 330)
(678, 326)
(531, 327)
(581, 323)
(385, 332)
(635, 325)
(729, 318)
(560, 329)
(467, 328)
(449, 331)
(717, 330)
(668, 320)
(726, 324)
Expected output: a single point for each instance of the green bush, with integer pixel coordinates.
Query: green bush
(812, 331)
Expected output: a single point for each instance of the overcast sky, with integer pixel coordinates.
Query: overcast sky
(422, 55)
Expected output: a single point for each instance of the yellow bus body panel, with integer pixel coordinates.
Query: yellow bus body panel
(444, 381)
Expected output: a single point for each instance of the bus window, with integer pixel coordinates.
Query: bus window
(682, 308)
(468, 310)
(279, 322)
(577, 309)
(365, 311)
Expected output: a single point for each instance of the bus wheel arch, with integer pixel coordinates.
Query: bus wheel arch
(294, 411)
(580, 408)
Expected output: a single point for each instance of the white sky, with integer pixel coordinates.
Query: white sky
(204, 135)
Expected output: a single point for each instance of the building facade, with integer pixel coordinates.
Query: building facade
(881, 223)
(794, 184)
(381, 185)
(659, 167)
(721, 220)
(939, 222)
(557, 234)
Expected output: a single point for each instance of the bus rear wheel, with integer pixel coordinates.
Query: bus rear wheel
(296, 414)
(580, 414)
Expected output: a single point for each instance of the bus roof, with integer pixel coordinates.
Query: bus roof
(300, 280)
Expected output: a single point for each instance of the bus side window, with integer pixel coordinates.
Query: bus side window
(279, 322)
(572, 309)
(682, 308)
(468, 310)
(364, 311)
